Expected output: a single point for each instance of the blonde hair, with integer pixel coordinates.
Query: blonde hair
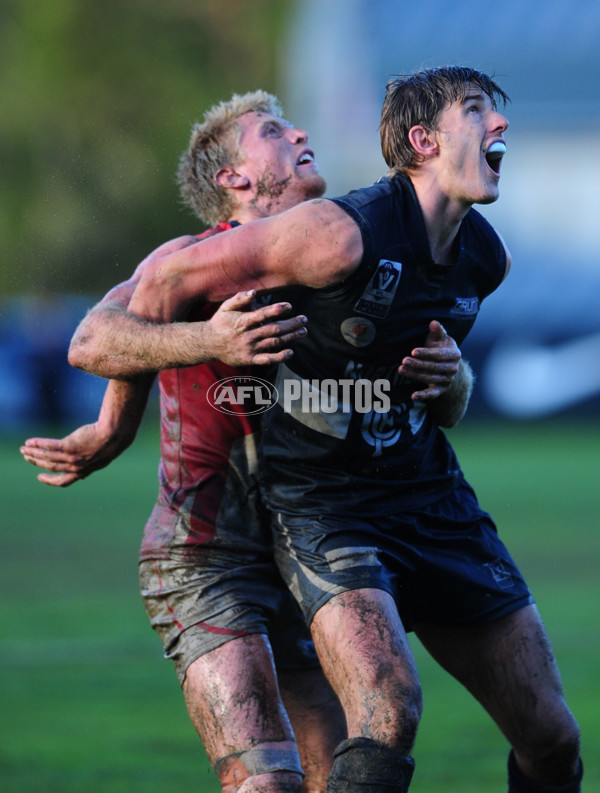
(215, 144)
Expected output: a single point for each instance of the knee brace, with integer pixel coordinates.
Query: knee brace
(235, 768)
(362, 765)
(519, 783)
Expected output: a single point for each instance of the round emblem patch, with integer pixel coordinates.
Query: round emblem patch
(358, 331)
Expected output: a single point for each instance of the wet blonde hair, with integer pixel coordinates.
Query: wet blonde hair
(215, 144)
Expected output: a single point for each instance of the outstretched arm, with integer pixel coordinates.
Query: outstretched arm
(314, 244)
(113, 342)
(447, 378)
(93, 446)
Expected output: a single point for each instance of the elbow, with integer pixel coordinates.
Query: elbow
(76, 355)
(81, 354)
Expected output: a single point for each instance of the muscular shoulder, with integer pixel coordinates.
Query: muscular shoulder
(147, 265)
(171, 246)
(385, 213)
(314, 244)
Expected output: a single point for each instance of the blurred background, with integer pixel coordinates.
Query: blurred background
(97, 101)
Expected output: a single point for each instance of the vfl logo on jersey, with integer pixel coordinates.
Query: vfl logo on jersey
(377, 298)
(358, 331)
(466, 307)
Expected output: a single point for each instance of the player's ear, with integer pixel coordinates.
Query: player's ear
(423, 141)
(230, 179)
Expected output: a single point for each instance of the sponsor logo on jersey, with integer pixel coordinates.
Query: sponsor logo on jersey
(242, 395)
(466, 307)
(358, 331)
(379, 293)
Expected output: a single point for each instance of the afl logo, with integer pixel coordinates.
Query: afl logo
(242, 395)
(358, 331)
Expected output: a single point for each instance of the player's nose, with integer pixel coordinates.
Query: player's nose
(297, 135)
(499, 122)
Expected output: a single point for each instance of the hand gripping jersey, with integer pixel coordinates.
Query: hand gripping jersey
(207, 467)
(345, 436)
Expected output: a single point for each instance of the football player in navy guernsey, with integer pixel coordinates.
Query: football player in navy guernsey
(207, 573)
(376, 531)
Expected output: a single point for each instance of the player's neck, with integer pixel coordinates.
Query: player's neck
(442, 218)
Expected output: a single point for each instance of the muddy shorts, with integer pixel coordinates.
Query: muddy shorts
(197, 605)
(443, 564)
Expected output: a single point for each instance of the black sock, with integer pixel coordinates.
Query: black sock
(362, 765)
(519, 783)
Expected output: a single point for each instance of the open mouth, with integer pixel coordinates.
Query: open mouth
(306, 158)
(494, 155)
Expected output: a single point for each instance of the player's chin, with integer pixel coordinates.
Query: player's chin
(490, 189)
(315, 186)
(489, 196)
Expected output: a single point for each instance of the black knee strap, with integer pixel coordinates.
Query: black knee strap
(519, 783)
(362, 765)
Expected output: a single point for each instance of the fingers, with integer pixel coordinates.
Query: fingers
(239, 301)
(52, 458)
(446, 352)
(278, 333)
(262, 315)
(58, 480)
(243, 300)
(432, 359)
(54, 465)
(32, 455)
(437, 330)
(45, 453)
(295, 325)
(41, 443)
(433, 372)
(267, 358)
(427, 395)
(438, 345)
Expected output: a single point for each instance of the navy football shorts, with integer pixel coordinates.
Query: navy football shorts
(443, 564)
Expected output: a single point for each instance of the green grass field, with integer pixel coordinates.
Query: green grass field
(88, 704)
